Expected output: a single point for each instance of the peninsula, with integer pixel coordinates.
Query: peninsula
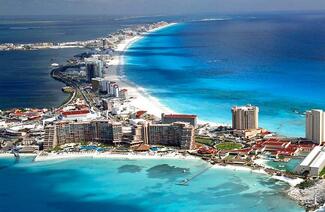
(108, 116)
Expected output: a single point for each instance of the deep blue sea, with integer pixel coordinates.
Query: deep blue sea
(25, 79)
(276, 62)
(201, 66)
(135, 185)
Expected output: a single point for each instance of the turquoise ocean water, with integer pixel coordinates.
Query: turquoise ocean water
(135, 185)
(205, 67)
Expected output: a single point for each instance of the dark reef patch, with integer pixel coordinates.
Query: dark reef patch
(165, 171)
(129, 169)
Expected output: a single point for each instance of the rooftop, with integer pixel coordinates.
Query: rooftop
(179, 116)
(75, 112)
(247, 107)
(311, 156)
(317, 162)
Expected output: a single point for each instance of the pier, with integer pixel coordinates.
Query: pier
(186, 181)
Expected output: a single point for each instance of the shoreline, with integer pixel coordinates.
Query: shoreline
(146, 156)
(70, 96)
(131, 156)
(110, 155)
(141, 97)
(142, 100)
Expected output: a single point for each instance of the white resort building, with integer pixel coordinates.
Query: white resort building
(314, 163)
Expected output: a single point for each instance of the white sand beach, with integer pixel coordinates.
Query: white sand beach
(290, 181)
(110, 155)
(10, 155)
(141, 98)
(239, 168)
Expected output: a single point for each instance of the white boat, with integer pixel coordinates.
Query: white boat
(55, 65)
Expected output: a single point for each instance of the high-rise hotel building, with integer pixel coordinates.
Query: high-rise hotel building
(315, 126)
(245, 117)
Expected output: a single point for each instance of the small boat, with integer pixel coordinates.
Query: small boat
(55, 65)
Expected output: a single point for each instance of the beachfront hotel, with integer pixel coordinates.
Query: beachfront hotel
(73, 132)
(94, 68)
(171, 118)
(315, 126)
(245, 117)
(178, 134)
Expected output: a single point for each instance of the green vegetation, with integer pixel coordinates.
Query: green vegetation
(102, 145)
(84, 143)
(228, 146)
(204, 140)
(281, 157)
(79, 95)
(306, 184)
(322, 173)
(57, 149)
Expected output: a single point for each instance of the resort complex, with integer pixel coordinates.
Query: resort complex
(108, 116)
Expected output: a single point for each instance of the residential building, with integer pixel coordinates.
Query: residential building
(50, 137)
(95, 68)
(106, 131)
(99, 85)
(123, 94)
(245, 117)
(74, 132)
(113, 89)
(171, 118)
(178, 134)
(315, 126)
(90, 71)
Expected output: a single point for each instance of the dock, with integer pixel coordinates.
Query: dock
(186, 181)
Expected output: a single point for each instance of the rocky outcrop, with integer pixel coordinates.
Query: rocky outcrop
(312, 197)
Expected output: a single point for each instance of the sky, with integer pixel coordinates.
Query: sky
(152, 7)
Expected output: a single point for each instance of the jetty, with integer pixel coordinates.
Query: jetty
(186, 181)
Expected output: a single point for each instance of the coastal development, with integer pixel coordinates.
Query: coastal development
(107, 116)
(104, 43)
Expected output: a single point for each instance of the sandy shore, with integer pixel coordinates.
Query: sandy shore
(154, 156)
(9, 155)
(240, 168)
(109, 155)
(141, 98)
